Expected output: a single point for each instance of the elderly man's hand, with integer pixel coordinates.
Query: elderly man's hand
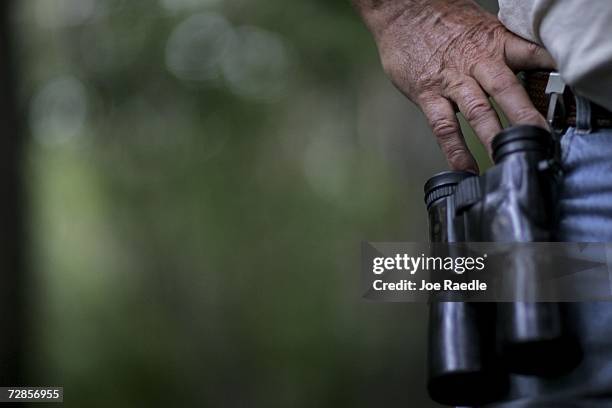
(449, 54)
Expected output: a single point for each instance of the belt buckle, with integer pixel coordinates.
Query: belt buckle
(556, 117)
(556, 114)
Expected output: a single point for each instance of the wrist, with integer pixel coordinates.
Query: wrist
(378, 15)
(413, 15)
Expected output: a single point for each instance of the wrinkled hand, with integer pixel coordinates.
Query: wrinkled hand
(449, 54)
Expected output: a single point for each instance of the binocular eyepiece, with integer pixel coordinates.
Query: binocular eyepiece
(520, 140)
(514, 140)
(443, 185)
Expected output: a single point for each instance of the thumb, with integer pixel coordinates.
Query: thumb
(524, 55)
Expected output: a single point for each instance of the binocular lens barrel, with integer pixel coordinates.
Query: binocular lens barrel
(533, 334)
(460, 351)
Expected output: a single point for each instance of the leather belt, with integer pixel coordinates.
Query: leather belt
(535, 84)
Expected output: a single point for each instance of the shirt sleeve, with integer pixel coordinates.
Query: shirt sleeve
(577, 33)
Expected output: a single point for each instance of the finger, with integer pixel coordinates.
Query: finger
(525, 55)
(499, 82)
(474, 104)
(443, 122)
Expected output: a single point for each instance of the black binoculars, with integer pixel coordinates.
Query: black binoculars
(475, 348)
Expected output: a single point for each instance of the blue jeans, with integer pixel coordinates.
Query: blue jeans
(585, 216)
(586, 195)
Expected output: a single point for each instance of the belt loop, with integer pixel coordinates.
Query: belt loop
(583, 115)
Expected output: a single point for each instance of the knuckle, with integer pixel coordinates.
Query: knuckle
(477, 109)
(444, 129)
(452, 84)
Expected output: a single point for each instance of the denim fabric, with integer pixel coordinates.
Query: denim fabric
(586, 192)
(585, 209)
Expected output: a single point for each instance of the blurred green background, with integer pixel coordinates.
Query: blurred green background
(200, 174)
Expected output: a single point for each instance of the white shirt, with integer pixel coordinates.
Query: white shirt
(577, 33)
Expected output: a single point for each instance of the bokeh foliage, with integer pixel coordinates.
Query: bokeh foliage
(201, 174)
